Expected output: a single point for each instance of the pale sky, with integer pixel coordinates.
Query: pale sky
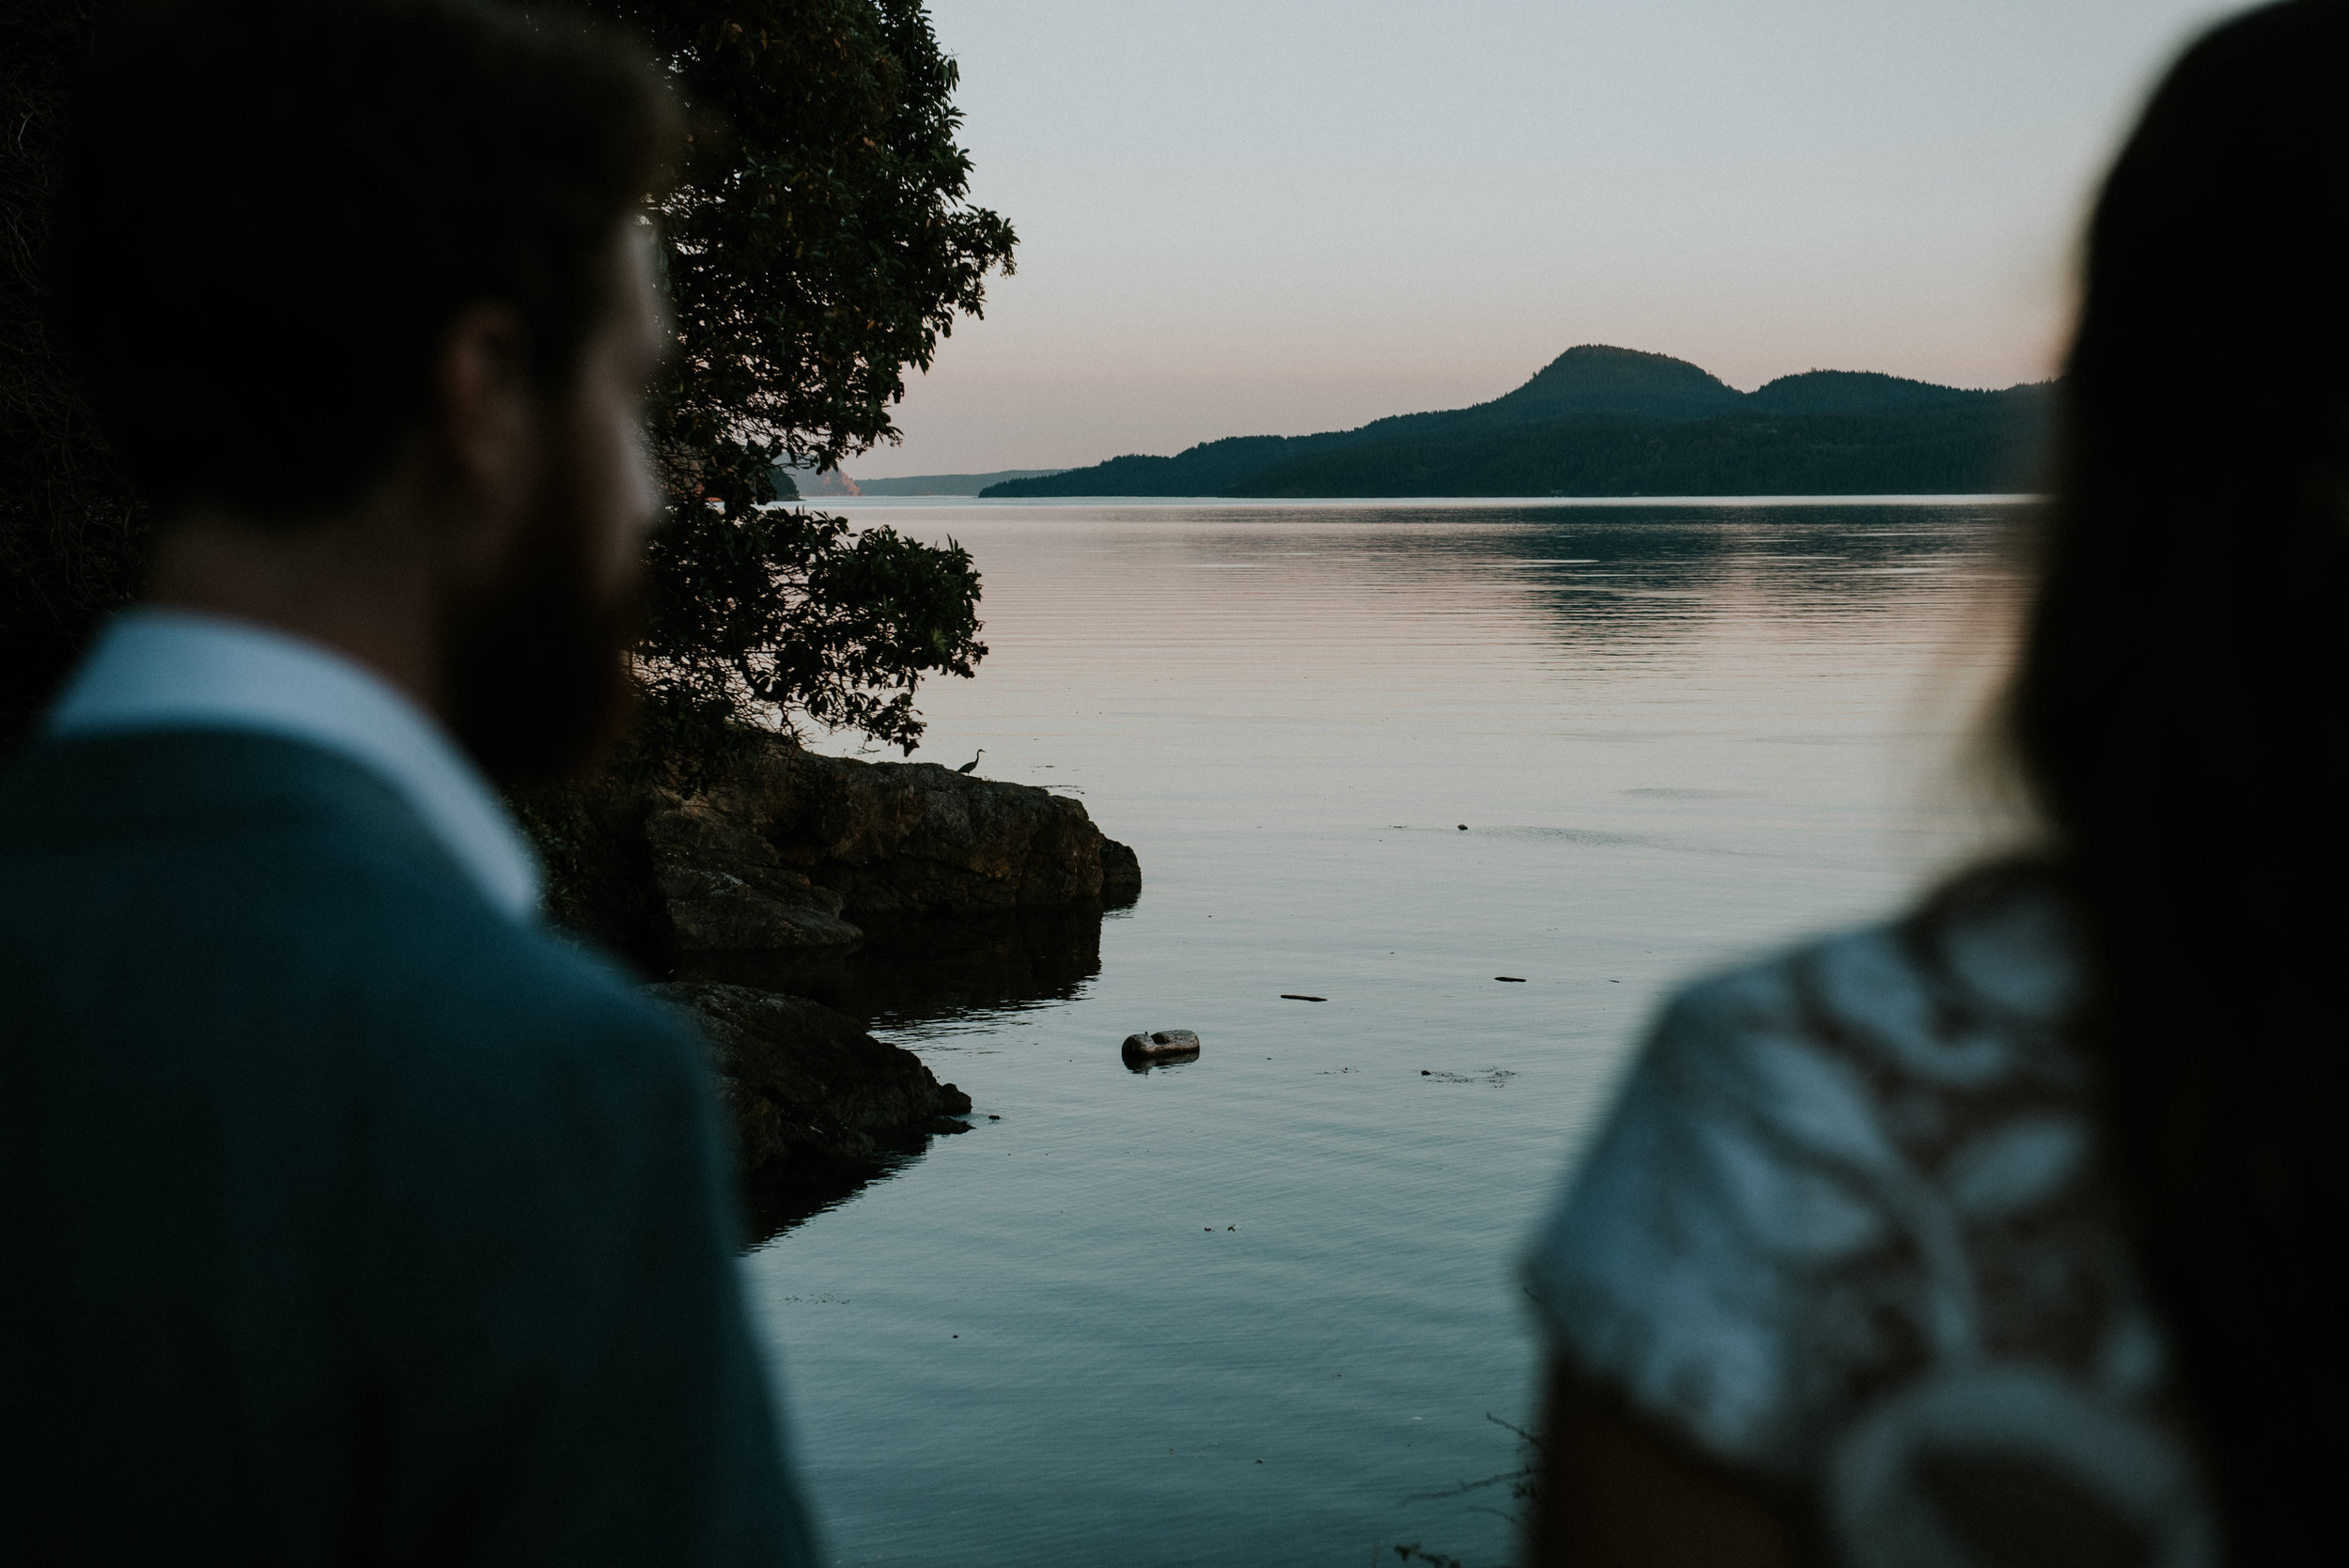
(1242, 217)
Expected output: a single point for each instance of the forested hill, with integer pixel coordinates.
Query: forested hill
(1600, 421)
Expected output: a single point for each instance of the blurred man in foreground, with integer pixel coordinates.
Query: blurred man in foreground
(345, 1214)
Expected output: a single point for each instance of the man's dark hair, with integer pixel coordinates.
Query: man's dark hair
(274, 209)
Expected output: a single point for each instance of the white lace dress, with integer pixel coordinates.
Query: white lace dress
(1844, 1229)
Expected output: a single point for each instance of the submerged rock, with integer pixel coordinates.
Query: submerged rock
(804, 1082)
(1162, 1045)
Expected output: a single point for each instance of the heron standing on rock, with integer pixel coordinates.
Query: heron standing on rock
(973, 763)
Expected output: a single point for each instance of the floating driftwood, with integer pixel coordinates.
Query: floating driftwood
(1161, 1045)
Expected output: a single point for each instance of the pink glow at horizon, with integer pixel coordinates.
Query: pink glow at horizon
(1278, 217)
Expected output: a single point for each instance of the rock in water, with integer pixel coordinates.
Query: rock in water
(1164, 1044)
(803, 1082)
(1121, 873)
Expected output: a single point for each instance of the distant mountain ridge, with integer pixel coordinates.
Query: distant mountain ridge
(1601, 421)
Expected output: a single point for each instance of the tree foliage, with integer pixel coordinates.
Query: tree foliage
(820, 243)
(771, 615)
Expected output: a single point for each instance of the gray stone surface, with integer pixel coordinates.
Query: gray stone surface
(1162, 1041)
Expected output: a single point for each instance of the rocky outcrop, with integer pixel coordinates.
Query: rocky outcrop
(782, 851)
(1121, 873)
(912, 838)
(793, 850)
(726, 889)
(806, 1084)
(903, 890)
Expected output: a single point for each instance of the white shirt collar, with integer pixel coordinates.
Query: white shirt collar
(156, 669)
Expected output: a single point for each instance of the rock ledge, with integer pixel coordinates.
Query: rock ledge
(804, 1082)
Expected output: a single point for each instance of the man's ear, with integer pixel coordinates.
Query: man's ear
(489, 422)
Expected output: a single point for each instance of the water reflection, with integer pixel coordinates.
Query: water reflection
(782, 1197)
(917, 971)
(908, 973)
(1142, 1067)
(1596, 575)
(1298, 1248)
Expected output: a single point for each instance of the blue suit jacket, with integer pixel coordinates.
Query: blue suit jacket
(342, 1220)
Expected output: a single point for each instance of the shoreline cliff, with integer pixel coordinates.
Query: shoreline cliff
(779, 900)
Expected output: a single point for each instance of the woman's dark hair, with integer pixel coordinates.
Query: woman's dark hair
(2183, 713)
(274, 209)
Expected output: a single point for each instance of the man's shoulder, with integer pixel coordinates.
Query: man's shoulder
(242, 883)
(448, 983)
(495, 1046)
(155, 802)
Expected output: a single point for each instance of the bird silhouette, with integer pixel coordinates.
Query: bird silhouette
(973, 763)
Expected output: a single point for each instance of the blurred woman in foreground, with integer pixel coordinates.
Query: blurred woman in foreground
(2012, 1232)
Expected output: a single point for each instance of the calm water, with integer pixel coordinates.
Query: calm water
(1261, 1308)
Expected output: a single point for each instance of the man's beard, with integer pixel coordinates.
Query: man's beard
(535, 673)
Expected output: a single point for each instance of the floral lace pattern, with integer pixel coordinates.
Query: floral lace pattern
(1844, 1228)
